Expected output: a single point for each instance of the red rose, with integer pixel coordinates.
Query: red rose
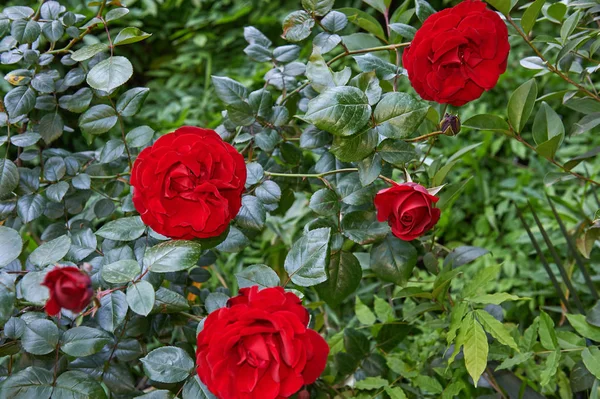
(189, 184)
(408, 208)
(457, 54)
(69, 287)
(259, 347)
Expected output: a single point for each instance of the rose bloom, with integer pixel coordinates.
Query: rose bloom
(408, 209)
(69, 288)
(259, 347)
(189, 184)
(457, 54)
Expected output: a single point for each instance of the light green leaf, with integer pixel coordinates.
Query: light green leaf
(49, 253)
(109, 74)
(124, 229)
(141, 297)
(520, 104)
(87, 52)
(172, 256)
(496, 329)
(530, 15)
(399, 115)
(257, 275)
(121, 271)
(495, 299)
(584, 328)
(363, 313)
(130, 35)
(475, 350)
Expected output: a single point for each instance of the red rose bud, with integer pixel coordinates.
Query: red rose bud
(69, 288)
(304, 394)
(189, 184)
(408, 209)
(259, 346)
(450, 125)
(457, 54)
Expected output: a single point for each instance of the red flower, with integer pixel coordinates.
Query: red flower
(189, 184)
(458, 53)
(69, 287)
(258, 347)
(408, 208)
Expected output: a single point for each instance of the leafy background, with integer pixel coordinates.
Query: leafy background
(541, 352)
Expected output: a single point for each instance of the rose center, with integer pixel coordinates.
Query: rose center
(406, 218)
(182, 179)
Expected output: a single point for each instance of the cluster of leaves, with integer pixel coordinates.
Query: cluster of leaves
(329, 119)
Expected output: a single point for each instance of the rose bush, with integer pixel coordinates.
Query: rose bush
(325, 237)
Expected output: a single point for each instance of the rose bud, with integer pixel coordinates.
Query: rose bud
(408, 209)
(450, 125)
(457, 54)
(189, 184)
(69, 288)
(259, 346)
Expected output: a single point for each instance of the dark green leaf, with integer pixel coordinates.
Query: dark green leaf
(168, 364)
(393, 260)
(109, 74)
(307, 260)
(83, 341)
(344, 276)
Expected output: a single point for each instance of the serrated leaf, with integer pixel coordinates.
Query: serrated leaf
(306, 261)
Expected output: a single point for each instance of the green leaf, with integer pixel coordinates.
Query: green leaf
(369, 169)
(520, 104)
(98, 119)
(404, 30)
(368, 82)
(195, 389)
(53, 30)
(547, 125)
(482, 278)
(371, 383)
(428, 384)
(77, 102)
(31, 288)
(383, 70)
(30, 207)
(591, 359)
(318, 72)
(354, 148)
(569, 26)
(130, 35)
(503, 6)
(87, 52)
(229, 91)
(399, 115)
(124, 229)
(475, 350)
(297, 26)
(548, 148)
(363, 313)
(334, 21)
(7, 298)
(168, 301)
(551, 368)
(356, 343)
(257, 275)
(141, 297)
(131, 101)
(252, 215)
(25, 31)
(395, 393)
(383, 310)
(19, 101)
(18, 12)
(342, 111)
(364, 21)
(546, 331)
(496, 329)
(495, 299)
(456, 315)
(318, 7)
(583, 327)
(393, 260)
(84, 341)
(112, 312)
(423, 10)
(77, 385)
(325, 202)
(487, 122)
(172, 256)
(40, 337)
(519, 358)
(109, 74)
(530, 15)
(463, 255)
(51, 252)
(51, 127)
(30, 383)
(343, 278)
(9, 177)
(139, 136)
(396, 152)
(168, 364)
(11, 245)
(307, 260)
(363, 228)
(121, 271)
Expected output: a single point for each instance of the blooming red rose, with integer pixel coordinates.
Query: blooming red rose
(408, 208)
(69, 288)
(189, 184)
(457, 54)
(259, 347)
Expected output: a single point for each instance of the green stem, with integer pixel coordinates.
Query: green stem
(311, 175)
(424, 137)
(111, 177)
(368, 50)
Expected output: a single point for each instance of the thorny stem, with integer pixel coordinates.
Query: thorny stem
(551, 67)
(552, 161)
